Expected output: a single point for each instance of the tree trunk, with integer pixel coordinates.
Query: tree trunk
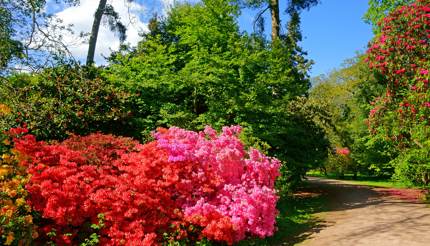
(274, 11)
(95, 31)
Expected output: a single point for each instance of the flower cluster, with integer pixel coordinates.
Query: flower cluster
(243, 201)
(16, 216)
(4, 110)
(343, 151)
(401, 55)
(184, 185)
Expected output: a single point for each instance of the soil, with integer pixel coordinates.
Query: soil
(362, 215)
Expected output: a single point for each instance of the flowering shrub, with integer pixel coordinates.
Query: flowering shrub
(16, 216)
(340, 162)
(400, 55)
(183, 186)
(244, 200)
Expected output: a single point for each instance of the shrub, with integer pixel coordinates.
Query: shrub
(16, 216)
(182, 186)
(64, 100)
(400, 56)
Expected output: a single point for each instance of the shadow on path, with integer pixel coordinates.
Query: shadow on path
(341, 196)
(362, 215)
(332, 212)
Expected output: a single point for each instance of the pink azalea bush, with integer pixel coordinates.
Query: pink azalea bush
(246, 192)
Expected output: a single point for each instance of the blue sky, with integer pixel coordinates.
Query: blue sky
(333, 31)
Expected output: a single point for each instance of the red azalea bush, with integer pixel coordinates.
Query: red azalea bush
(183, 186)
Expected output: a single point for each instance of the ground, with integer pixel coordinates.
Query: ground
(362, 215)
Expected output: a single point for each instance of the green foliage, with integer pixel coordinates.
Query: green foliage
(298, 5)
(339, 104)
(306, 141)
(413, 165)
(94, 238)
(65, 100)
(9, 47)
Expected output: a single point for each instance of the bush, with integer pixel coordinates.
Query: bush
(64, 100)
(16, 216)
(183, 186)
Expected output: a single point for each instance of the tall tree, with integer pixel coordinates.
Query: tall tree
(95, 31)
(273, 6)
(276, 21)
(106, 10)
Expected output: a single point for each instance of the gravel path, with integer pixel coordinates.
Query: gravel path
(361, 215)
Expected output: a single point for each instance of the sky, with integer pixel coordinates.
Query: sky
(333, 30)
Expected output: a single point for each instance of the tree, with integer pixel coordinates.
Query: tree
(9, 47)
(30, 38)
(273, 6)
(276, 21)
(95, 31)
(339, 104)
(105, 10)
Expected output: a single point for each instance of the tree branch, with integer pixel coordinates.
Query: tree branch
(259, 15)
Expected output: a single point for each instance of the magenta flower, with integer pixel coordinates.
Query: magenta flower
(424, 71)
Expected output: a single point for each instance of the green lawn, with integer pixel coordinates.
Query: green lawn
(364, 180)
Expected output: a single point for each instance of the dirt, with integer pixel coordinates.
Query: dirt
(362, 215)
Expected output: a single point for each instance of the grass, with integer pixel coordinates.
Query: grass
(296, 220)
(364, 180)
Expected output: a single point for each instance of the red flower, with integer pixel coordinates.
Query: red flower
(400, 71)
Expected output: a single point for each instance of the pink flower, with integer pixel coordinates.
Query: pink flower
(424, 71)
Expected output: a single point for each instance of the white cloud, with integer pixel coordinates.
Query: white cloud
(81, 17)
